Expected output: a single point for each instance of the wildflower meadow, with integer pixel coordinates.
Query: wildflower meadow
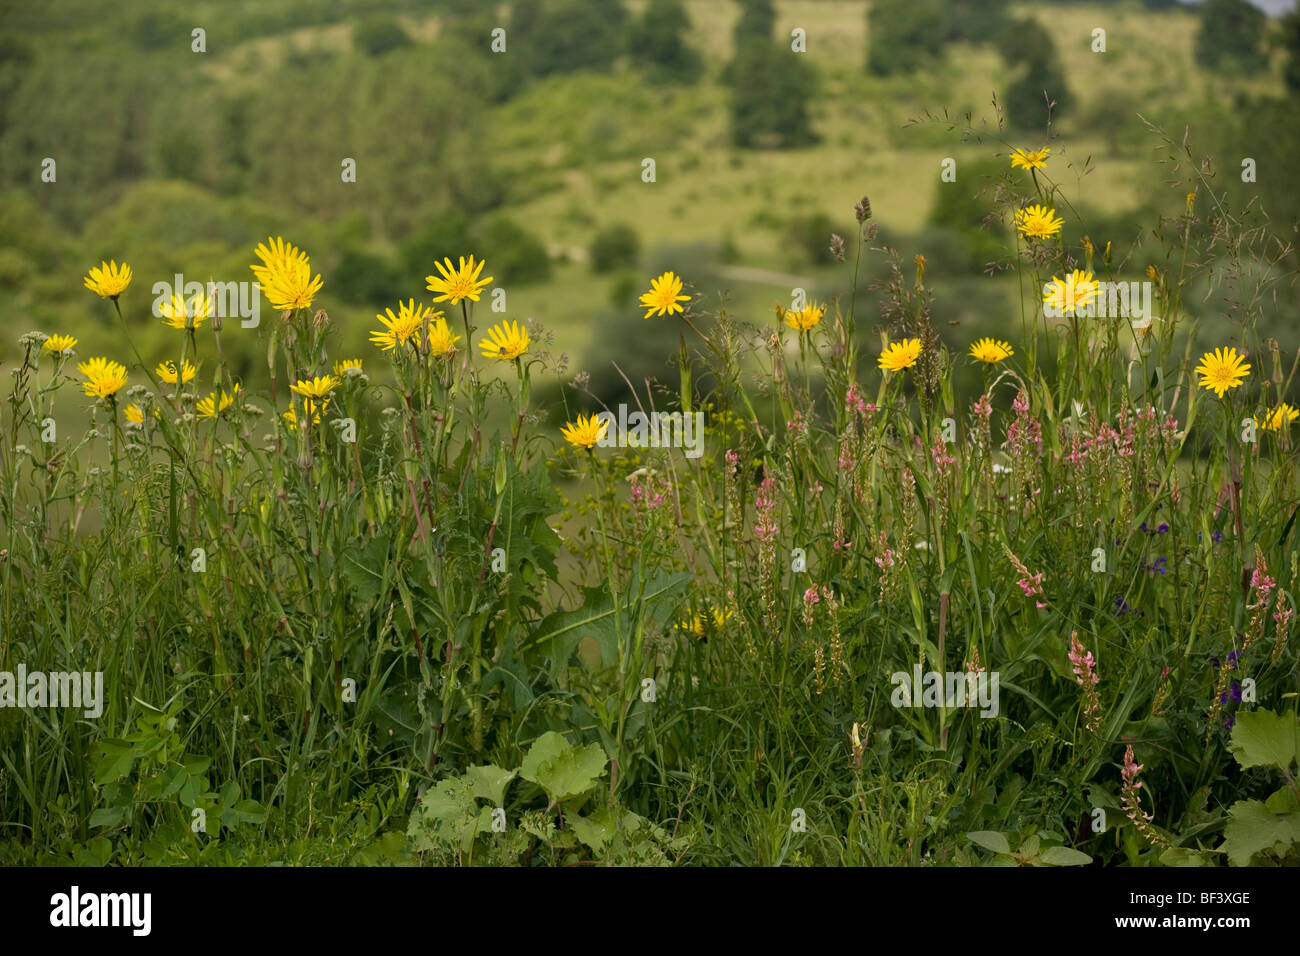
(844, 584)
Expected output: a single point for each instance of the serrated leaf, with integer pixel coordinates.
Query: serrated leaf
(595, 831)
(990, 840)
(1252, 828)
(1261, 738)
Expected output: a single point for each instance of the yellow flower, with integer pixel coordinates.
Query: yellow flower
(210, 408)
(806, 318)
(180, 314)
(310, 409)
(1038, 222)
(1073, 292)
(1030, 159)
(59, 343)
(318, 387)
(1221, 370)
(457, 282)
(442, 341)
(340, 368)
(704, 623)
(991, 351)
(134, 414)
(167, 372)
(505, 342)
(103, 378)
(900, 355)
(1278, 418)
(1153, 273)
(585, 432)
(108, 280)
(285, 275)
(275, 257)
(665, 292)
(401, 328)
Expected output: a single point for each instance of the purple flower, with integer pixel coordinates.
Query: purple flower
(1217, 536)
(1160, 566)
(1227, 725)
(1162, 529)
(1233, 658)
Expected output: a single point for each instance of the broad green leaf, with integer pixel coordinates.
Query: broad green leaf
(107, 816)
(1261, 738)
(1252, 828)
(561, 769)
(1181, 856)
(990, 840)
(489, 783)
(1064, 856)
(116, 758)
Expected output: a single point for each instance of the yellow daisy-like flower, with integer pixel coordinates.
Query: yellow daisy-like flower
(108, 280)
(341, 367)
(442, 341)
(1038, 222)
(318, 387)
(1221, 370)
(991, 351)
(805, 318)
(1074, 292)
(505, 342)
(704, 623)
(1153, 273)
(585, 432)
(1030, 158)
(400, 328)
(59, 343)
(134, 414)
(276, 256)
(103, 378)
(180, 314)
(167, 372)
(457, 282)
(900, 355)
(210, 407)
(1278, 418)
(285, 275)
(664, 295)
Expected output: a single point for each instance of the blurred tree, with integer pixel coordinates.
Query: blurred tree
(376, 35)
(757, 20)
(771, 85)
(656, 40)
(976, 21)
(1026, 44)
(810, 239)
(562, 36)
(1289, 39)
(964, 210)
(614, 246)
(513, 253)
(362, 278)
(904, 35)
(1231, 36)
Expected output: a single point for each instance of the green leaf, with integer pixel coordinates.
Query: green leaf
(990, 840)
(561, 769)
(116, 758)
(107, 816)
(1261, 738)
(489, 783)
(595, 831)
(1181, 856)
(1252, 828)
(1064, 856)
